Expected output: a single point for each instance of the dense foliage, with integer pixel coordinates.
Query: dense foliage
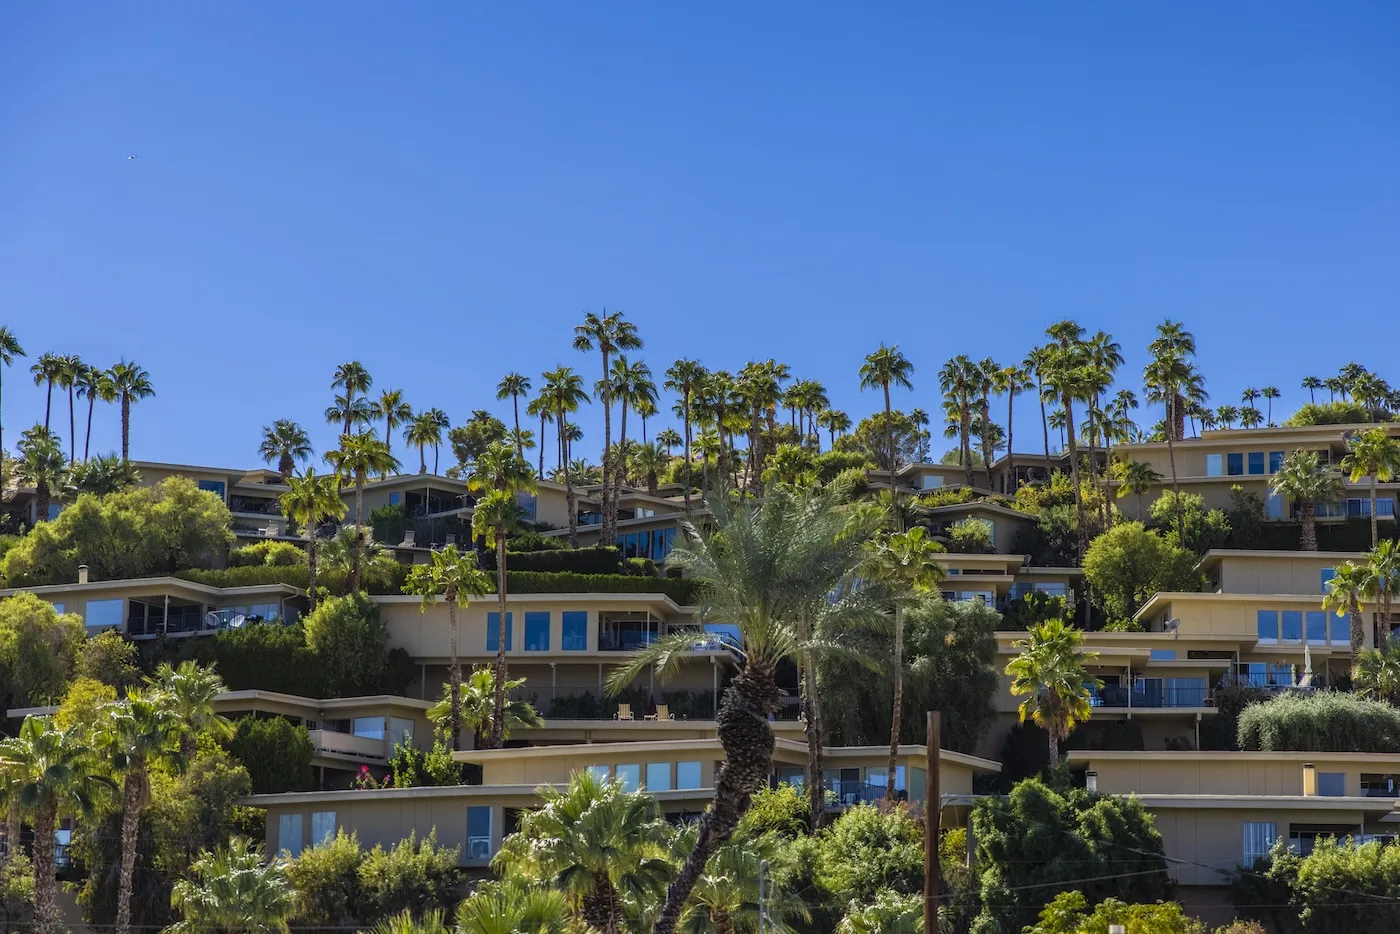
(1325, 721)
(276, 754)
(39, 650)
(1339, 886)
(1127, 564)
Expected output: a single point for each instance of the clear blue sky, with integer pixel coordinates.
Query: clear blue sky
(440, 191)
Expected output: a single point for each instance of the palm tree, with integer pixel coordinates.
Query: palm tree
(1373, 454)
(1270, 393)
(475, 706)
(907, 563)
(764, 565)
(42, 464)
(835, 422)
(422, 431)
(1303, 480)
(47, 369)
(595, 842)
(1035, 364)
(1010, 381)
(1312, 384)
(101, 475)
(511, 907)
(957, 379)
(563, 388)
(395, 412)
(1376, 674)
(440, 419)
(1250, 417)
(55, 773)
(631, 385)
(9, 349)
(512, 386)
(310, 500)
(1343, 596)
(456, 577)
(1164, 377)
(190, 690)
(540, 407)
(285, 442)
(726, 898)
(137, 734)
(760, 387)
(650, 460)
(882, 369)
(94, 385)
(500, 476)
(1383, 583)
(1051, 673)
(685, 377)
(1067, 376)
(70, 370)
(357, 457)
(611, 334)
(131, 384)
(1334, 388)
(1136, 478)
(234, 890)
(1103, 356)
(1249, 396)
(1227, 415)
(350, 408)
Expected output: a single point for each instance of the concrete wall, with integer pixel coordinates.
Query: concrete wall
(1291, 574)
(1227, 774)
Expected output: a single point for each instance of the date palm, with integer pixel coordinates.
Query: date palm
(311, 499)
(1375, 454)
(42, 464)
(391, 407)
(9, 349)
(685, 378)
(233, 890)
(55, 773)
(137, 734)
(1270, 393)
(284, 442)
(1010, 381)
(190, 690)
(882, 369)
(421, 432)
(763, 566)
(455, 577)
(1136, 478)
(131, 384)
(1343, 596)
(350, 408)
(1051, 673)
(476, 706)
(512, 386)
(95, 385)
(611, 333)
(47, 370)
(1305, 482)
(563, 388)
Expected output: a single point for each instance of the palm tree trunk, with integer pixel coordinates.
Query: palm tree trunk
(1054, 747)
(1044, 422)
(685, 403)
(722, 920)
(48, 404)
(454, 674)
(748, 750)
(602, 907)
(87, 437)
(1074, 474)
(519, 446)
(47, 919)
(1375, 532)
(41, 500)
(359, 533)
(811, 704)
(311, 561)
(14, 828)
(126, 424)
(1358, 631)
(1307, 539)
(498, 718)
(1010, 455)
(437, 448)
(607, 535)
(569, 502)
(541, 472)
(898, 699)
(422, 458)
(131, 816)
(1176, 487)
(889, 451)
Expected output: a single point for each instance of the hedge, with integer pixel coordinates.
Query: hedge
(1326, 721)
(598, 559)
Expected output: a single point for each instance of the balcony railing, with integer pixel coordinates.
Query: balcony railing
(348, 744)
(1148, 696)
(848, 793)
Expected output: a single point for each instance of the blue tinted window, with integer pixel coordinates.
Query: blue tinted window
(1163, 655)
(575, 635)
(1234, 464)
(1273, 505)
(1327, 575)
(493, 631)
(1292, 625)
(1275, 461)
(478, 833)
(528, 505)
(1332, 784)
(394, 499)
(670, 539)
(537, 632)
(1317, 626)
(687, 775)
(1256, 461)
(1268, 624)
(1214, 465)
(1340, 630)
(213, 486)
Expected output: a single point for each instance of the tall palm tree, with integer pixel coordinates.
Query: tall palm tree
(1250, 417)
(610, 333)
(440, 419)
(512, 386)
(1166, 373)
(650, 460)
(760, 387)
(94, 385)
(685, 378)
(631, 385)
(1067, 375)
(137, 734)
(1270, 393)
(1051, 673)
(540, 407)
(1136, 478)
(285, 442)
(393, 410)
(350, 408)
(56, 773)
(70, 371)
(1103, 357)
(1227, 415)
(9, 349)
(835, 422)
(1249, 396)
(764, 564)
(670, 439)
(500, 476)
(1373, 454)
(456, 577)
(476, 706)
(907, 563)
(41, 463)
(594, 841)
(1010, 381)
(47, 369)
(1383, 583)
(1035, 364)
(882, 369)
(1343, 596)
(957, 379)
(357, 457)
(421, 432)
(1334, 388)
(190, 690)
(132, 384)
(310, 500)
(511, 907)
(1312, 384)
(233, 890)
(1303, 481)
(564, 390)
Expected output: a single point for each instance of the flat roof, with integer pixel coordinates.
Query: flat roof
(1206, 755)
(643, 597)
(1216, 555)
(441, 791)
(174, 583)
(1164, 597)
(982, 506)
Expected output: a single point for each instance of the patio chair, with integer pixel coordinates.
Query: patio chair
(663, 712)
(624, 712)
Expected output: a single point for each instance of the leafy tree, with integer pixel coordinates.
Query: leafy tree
(349, 642)
(970, 536)
(1189, 522)
(1340, 886)
(888, 913)
(475, 707)
(1069, 913)
(1303, 481)
(284, 442)
(276, 754)
(780, 811)
(1329, 413)
(870, 850)
(108, 657)
(233, 892)
(871, 439)
(1128, 564)
(472, 438)
(131, 384)
(268, 658)
(38, 650)
(1325, 721)
(1051, 673)
(84, 705)
(16, 888)
(411, 876)
(326, 880)
(309, 501)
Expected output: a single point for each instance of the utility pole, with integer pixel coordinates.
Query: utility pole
(763, 925)
(933, 812)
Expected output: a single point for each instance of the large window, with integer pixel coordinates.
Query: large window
(575, 635)
(368, 727)
(687, 775)
(1275, 461)
(493, 631)
(600, 772)
(1256, 462)
(322, 826)
(289, 834)
(1317, 627)
(1340, 630)
(1273, 506)
(536, 632)
(630, 776)
(1234, 465)
(213, 486)
(478, 833)
(1268, 625)
(528, 505)
(105, 614)
(401, 730)
(658, 776)
(1379, 785)
(1292, 625)
(1332, 784)
(1215, 465)
(1326, 574)
(1259, 837)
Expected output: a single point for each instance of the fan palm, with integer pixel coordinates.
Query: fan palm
(596, 843)
(1304, 481)
(610, 333)
(1136, 478)
(835, 422)
(42, 464)
(393, 410)
(882, 369)
(9, 349)
(650, 460)
(1312, 384)
(189, 691)
(1167, 373)
(1376, 674)
(1068, 375)
(285, 442)
(474, 707)
(136, 734)
(1010, 381)
(71, 368)
(1344, 590)
(513, 907)
(311, 499)
(47, 370)
(1383, 582)
(350, 408)
(907, 564)
(1051, 673)
(94, 385)
(1270, 393)
(1250, 417)
(727, 898)
(234, 890)
(512, 386)
(1035, 363)
(539, 407)
(1373, 454)
(357, 457)
(759, 389)
(633, 388)
(670, 439)
(101, 475)
(404, 923)
(55, 773)
(456, 577)
(131, 384)
(422, 431)
(762, 568)
(564, 390)
(685, 377)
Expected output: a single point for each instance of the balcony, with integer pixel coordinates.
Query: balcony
(1356, 508)
(847, 793)
(1149, 695)
(348, 744)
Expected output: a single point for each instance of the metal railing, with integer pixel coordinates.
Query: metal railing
(848, 793)
(1148, 696)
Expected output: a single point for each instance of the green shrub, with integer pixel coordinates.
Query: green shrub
(1339, 886)
(970, 536)
(348, 642)
(276, 754)
(681, 590)
(1325, 721)
(1197, 528)
(326, 878)
(782, 810)
(1222, 730)
(598, 559)
(108, 657)
(524, 542)
(870, 850)
(38, 650)
(1330, 413)
(639, 567)
(1127, 564)
(259, 575)
(1123, 625)
(266, 658)
(1033, 608)
(950, 496)
(410, 877)
(889, 913)
(831, 464)
(1069, 913)
(274, 553)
